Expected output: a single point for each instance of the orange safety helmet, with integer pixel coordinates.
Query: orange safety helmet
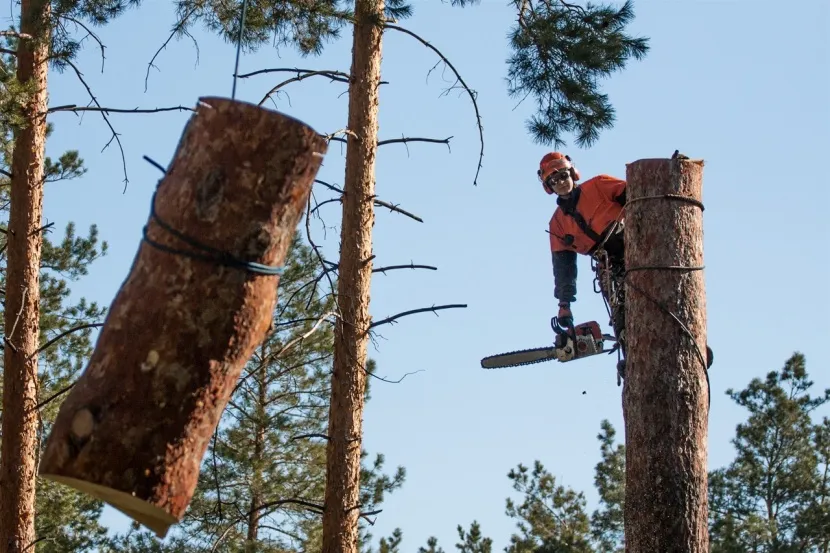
(552, 162)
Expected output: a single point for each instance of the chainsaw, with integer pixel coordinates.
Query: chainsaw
(571, 343)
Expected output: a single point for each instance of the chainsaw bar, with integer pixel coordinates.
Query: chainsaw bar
(519, 358)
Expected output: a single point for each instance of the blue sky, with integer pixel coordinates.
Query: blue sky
(741, 84)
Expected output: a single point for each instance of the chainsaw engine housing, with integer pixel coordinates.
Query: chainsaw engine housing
(586, 340)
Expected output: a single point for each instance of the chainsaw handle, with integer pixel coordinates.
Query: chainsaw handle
(561, 330)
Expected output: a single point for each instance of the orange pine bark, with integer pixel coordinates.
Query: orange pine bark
(665, 399)
(22, 298)
(348, 385)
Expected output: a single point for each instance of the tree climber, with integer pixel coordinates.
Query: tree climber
(588, 218)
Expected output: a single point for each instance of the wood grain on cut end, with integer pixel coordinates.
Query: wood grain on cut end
(135, 426)
(665, 396)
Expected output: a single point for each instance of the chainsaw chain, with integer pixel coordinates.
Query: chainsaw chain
(520, 364)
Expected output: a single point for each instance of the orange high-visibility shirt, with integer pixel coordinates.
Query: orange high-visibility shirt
(599, 207)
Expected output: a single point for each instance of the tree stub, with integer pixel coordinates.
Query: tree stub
(137, 423)
(665, 400)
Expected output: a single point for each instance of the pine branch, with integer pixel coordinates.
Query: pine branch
(179, 27)
(77, 109)
(379, 203)
(460, 80)
(433, 309)
(268, 505)
(106, 120)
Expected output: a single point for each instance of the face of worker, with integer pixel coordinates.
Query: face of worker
(561, 182)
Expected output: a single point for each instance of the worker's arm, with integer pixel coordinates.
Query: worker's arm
(564, 276)
(564, 265)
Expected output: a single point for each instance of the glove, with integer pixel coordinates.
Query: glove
(565, 317)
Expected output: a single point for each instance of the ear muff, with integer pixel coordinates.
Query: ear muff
(574, 171)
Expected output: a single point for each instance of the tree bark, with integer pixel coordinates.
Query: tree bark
(136, 425)
(665, 401)
(18, 458)
(348, 384)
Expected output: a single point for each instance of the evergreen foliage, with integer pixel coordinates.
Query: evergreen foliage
(560, 51)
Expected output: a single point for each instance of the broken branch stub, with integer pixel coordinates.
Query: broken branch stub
(136, 425)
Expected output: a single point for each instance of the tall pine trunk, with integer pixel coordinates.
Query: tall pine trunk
(22, 320)
(665, 400)
(342, 511)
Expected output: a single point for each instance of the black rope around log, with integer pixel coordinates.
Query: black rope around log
(210, 254)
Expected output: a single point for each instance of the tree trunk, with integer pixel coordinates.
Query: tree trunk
(136, 425)
(18, 459)
(260, 418)
(665, 398)
(348, 384)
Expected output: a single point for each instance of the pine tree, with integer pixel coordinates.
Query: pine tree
(43, 39)
(66, 521)
(607, 523)
(773, 497)
(551, 517)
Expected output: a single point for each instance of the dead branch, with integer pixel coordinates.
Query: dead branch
(63, 334)
(433, 309)
(283, 349)
(89, 33)
(179, 27)
(78, 109)
(15, 34)
(7, 51)
(410, 266)
(460, 80)
(106, 120)
(315, 247)
(381, 203)
(305, 436)
(401, 140)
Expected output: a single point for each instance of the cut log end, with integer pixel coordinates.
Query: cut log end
(155, 518)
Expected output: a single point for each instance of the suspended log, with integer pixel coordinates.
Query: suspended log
(665, 400)
(135, 427)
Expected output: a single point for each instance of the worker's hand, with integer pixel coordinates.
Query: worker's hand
(566, 318)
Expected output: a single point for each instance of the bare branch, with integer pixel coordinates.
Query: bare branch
(406, 140)
(177, 28)
(401, 140)
(335, 266)
(305, 436)
(63, 334)
(89, 33)
(379, 203)
(7, 51)
(15, 34)
(75, 108)
(106, 120)
(433, 309)
(410, 266)
(5, 173)
(268, 505)
(460, 80)
(301, 75)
